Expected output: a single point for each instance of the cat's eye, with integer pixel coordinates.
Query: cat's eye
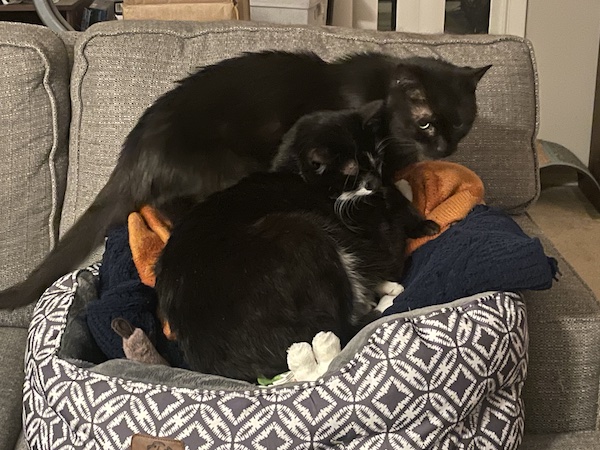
(316, 164)
(424, 125)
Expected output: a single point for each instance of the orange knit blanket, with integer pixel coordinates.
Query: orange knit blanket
(442, 191)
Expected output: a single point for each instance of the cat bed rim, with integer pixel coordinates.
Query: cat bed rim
(374, 329)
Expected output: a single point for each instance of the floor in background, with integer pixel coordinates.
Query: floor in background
(570, 221)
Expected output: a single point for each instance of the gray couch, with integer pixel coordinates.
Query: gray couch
(68, 100)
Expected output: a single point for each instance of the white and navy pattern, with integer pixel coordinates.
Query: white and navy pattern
(450, 379)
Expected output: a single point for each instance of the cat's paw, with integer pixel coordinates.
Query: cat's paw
(424, 228)
(301, 361)
(390, 288)
(404, 187)
(385, 302)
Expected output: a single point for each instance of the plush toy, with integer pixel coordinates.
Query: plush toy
(308, 362)
(479, 248)
(442, 191)
(137, 346)
(121, 294)
(148, 234)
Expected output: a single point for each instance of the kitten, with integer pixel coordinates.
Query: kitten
(216, 127)
(268, 262)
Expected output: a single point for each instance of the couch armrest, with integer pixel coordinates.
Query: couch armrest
(563, 381)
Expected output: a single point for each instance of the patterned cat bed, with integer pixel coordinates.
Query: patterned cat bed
(441, 377)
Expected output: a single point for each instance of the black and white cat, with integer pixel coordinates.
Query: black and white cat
(281, 256)
(227, 120)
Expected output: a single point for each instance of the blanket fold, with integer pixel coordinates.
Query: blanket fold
(486, 251)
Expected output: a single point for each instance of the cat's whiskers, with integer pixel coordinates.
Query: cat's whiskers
(346, 204)
(389, 140)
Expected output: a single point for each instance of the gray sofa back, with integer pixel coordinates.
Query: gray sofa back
(120, 68)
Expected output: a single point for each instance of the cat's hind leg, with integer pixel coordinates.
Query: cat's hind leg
(388, 290)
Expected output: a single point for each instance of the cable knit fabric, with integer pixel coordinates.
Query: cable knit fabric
(442, 191)
(485, 251)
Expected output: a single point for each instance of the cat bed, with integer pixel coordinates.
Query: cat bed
(441, 377)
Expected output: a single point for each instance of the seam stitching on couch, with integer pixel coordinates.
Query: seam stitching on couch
(411, 37)
(55, 134)
(75, 175)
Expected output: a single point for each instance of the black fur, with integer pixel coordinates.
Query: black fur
(280, 256)
(226, 121)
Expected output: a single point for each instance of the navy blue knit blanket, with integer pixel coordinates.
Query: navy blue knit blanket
(486, 251)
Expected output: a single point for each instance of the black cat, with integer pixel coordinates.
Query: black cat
(226, 121)
(280, 256)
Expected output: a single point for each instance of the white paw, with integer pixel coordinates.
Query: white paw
(390, 288)
(404, 187)
(385, 302)
(301, 361)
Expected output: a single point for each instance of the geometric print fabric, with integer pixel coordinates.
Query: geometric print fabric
(448, 379)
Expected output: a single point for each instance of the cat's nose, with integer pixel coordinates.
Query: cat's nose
(372, 184)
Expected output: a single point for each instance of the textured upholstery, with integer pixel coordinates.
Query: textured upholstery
(11, 383)
(561, 391)
(585, 440)
(34, 111)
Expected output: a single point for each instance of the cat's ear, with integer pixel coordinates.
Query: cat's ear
(372, 113)
(406, 76)
(478, 72)
(407, 79)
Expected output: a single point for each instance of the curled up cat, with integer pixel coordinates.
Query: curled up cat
(216, 127)
(281, 256)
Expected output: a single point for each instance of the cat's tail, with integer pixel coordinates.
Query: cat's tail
(109, 208)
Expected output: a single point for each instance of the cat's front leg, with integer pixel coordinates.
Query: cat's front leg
(388, 290)
(407, 215)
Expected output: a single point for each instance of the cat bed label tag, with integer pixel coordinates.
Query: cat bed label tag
(143, 442)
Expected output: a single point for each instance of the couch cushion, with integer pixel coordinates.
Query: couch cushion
(121, 67)
(584, 440)
(562, 387)
(34, 109)
(12, 353)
